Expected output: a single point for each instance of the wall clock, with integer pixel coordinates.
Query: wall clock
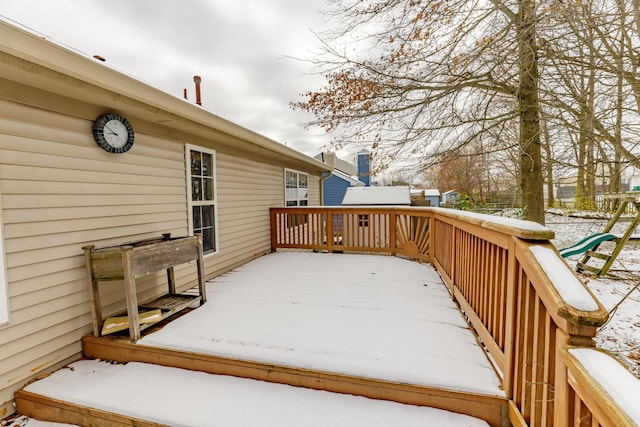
(113, 133)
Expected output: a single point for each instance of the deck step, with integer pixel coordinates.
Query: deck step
(492, 409)
(98, 393)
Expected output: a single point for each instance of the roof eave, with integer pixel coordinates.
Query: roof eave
(153, 104)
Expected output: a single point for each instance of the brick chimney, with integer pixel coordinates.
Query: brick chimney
(197, 80)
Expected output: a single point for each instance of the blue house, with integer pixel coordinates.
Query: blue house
(344, 175)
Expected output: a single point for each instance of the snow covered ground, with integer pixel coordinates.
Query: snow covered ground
(621, 335)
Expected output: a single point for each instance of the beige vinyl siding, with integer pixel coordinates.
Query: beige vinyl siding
(59, 192)
(4, 297)
(314, 190)
(246, 191)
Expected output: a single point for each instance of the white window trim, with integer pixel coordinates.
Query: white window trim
(4, 294)
(284, 177)
(190, 204)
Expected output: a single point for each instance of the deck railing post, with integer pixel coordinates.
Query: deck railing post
(432, 238)
(562, 404)
(330, 231)
(510, 317)
(452, 257)
(393, 225)
(274, 230)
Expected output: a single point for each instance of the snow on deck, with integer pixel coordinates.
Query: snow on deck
(372, 316)
(179, 397)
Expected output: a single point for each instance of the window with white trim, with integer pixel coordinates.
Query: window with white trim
(296, 188)
(201, 179)
(4, 298)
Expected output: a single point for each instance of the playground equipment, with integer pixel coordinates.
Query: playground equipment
(586, 244)
(589, 245)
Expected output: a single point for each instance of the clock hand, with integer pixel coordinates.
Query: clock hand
(110, 130)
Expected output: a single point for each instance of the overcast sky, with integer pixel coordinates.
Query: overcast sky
(238, 47)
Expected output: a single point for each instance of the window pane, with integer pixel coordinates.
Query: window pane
(196, 163)
(291, 179)
(207, 216)
(196, 191)
(208, 240)
(291, 194)
(304, 203)
(302, 180)
(197, 218)
(207, 164)
(292, 203)
(208, 188)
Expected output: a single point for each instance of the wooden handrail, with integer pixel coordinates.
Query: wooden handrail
(521, 298)
(595, 386)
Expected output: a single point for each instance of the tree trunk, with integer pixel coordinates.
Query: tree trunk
(548, 165)
(615, 186)
(592, 163)
(531, 181)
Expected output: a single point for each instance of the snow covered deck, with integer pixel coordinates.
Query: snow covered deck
(137, 394)
(363, 315)
(375, 326)
(385, 328)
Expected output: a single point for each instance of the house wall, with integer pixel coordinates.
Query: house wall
(59, 191)
(334, 189)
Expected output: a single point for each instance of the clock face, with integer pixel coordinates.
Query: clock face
(113, 133)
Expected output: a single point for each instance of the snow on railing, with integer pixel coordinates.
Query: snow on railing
(521, 298)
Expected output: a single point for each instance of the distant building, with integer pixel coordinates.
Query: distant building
(344, 176)
(425, 197)
(450, 197)
(358, 196)
(368, 226)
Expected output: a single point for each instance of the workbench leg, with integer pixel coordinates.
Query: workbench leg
(95, 292)
(201, 282)
(132, 297)
(171, 279)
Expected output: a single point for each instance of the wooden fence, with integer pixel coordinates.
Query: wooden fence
(523, 301)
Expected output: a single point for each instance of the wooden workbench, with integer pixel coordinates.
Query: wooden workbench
(129, 261)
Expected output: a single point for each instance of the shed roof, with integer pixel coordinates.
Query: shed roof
(377, 196)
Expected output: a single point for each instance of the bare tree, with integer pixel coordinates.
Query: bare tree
(589, 90)
(417, 80)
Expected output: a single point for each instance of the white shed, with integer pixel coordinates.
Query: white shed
(356, 196)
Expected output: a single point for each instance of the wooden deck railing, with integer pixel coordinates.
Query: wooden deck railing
(523, 301)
